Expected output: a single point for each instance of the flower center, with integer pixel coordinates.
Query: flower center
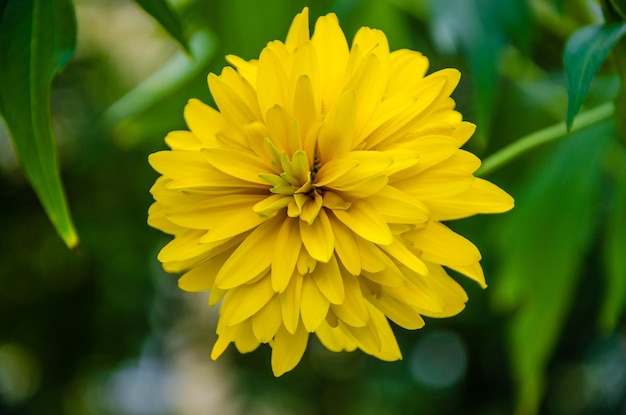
(293, 187)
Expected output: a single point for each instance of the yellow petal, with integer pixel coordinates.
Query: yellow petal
(336, 134)
(267, 321)
(232, 106)
(369, 165)
(184, 246)
(346, 246)
(299, 30)
(176, 164)
(366, 337)
(314, 305)
(334, 339)
(252, 257)
(353, 311)
(418, 291)
(441, 245)
(203, 121)
(240, 221)
(208, 213)
(387, 110)
(408, 67)
(440, 287)
(333, 170)
(268, 206)
(285, 256)
(403, 314)
(246, 341)
(389, 350)
(363, 220)
(202, 277)
(242, 89)
(398, 250)
(328, 278)
(481, 197)
(318, 237)
(243, 302)
(399, 207)
(463, 132)
(247, 69)
(368, 83)
(473, 271)
(290, 303)
(372, 41)
(332, 55)
(225, 335)
(183, 140)
(271, 86)
(305, 264)
(305, 108)
(397, 127)
(216, 296)
(385, 277)
(362, 189)
(239, 164)
(278, 122)
(311, 208)
(287, 349)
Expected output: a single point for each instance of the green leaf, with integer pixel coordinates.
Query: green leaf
(614, 302)
(543, 244)
(161, 11)
(146, 110)
(37, 37)
(585, 52)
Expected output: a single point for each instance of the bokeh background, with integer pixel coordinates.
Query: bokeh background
(105, 331)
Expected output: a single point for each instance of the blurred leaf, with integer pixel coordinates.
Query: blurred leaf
(619, 8)
(543, 245)
(584, 53)
(160, 87)
(479, 30)
(614, 254)
(163, 13)
(37, 38)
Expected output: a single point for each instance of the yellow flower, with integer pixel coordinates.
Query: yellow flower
(312, 201)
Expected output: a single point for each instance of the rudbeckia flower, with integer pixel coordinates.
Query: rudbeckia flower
(312, 199)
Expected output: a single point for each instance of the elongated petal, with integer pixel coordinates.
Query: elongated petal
(346, 247)
(284, 258)
(328, 278)
(335, 136)
(267, 321)
(252, 257)
(441, 245)
(318, 238)
(244, 301)
(290, 303)
(299, 30)
(287, 349)
(238, 164)
(365, 222)
(314, 304)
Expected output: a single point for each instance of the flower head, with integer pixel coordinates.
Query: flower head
(312, 200)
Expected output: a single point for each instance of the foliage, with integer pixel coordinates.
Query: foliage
(555, 266)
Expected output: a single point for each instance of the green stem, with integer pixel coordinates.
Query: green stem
(543, 136)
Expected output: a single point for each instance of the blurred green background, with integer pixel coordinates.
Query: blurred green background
(105, 331)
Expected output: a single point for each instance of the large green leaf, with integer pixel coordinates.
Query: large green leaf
(584, 53)
(543, 247)
(614, 302)
(37, 38)
(163, 13)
